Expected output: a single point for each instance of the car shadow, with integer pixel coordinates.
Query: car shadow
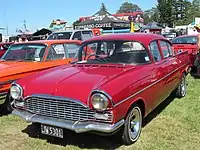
(90, 141)
(82, 140)
(158, 110)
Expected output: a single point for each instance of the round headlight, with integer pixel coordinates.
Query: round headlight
(99, 101)
(16, 92)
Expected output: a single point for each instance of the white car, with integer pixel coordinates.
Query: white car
(81, 35)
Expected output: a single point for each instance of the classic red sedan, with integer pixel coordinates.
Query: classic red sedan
(186, 43)
(4, 47)
(125, 78)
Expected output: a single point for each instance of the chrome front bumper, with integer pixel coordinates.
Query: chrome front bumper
(78, 127)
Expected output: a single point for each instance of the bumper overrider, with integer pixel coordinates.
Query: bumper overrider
(76, 126)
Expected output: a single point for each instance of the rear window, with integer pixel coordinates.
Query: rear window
(185, 40)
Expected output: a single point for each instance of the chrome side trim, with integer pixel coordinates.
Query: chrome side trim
(78, 127)
(148, 86)
(56, 98)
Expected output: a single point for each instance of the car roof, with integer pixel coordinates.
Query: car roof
(4, 43)
(72, 31)
(144, 38)
(48, 42)
(187, 35)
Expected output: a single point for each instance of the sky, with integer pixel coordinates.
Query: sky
(40, 13)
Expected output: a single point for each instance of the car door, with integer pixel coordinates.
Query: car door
(158, 72)
(169, 63)
(173, 65)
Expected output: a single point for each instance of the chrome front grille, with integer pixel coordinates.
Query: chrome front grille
(62, 109)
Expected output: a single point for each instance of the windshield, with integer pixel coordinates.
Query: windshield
(185, 40)
(25, 52)
(61, 35)
(126, 52)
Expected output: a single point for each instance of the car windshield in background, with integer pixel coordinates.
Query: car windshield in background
(60, 36)
(126, 52)
(185, 40)
(25, 52)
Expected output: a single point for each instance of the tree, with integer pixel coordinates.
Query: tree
(185, 11)
(194, 9)
(196, 4)
(103, 7)
(151, 15)
(128, 7)
(166, 12)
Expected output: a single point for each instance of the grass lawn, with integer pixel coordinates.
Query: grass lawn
(174, 125)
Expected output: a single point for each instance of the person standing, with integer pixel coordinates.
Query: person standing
(196, 68)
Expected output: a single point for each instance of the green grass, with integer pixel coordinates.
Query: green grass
(175, 125)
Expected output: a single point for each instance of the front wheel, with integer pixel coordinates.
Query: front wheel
(8, 106)
(181, 90)
(133, 126)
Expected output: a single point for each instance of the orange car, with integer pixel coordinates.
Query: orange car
(24, 59)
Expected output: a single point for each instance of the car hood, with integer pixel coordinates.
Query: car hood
(74, 82)
(10, 68)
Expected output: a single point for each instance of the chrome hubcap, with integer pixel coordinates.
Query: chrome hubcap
(183, 86)
(135, 123)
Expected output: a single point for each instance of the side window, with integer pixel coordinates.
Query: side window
(86, 35)
(107, 48)
(153, 46)
(71, 50)
(165, 49)
(77, 36)
(90, 49)
(56, 52)
(170, 49)
(132, 52)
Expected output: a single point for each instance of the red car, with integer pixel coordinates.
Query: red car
(4, 47)
(126, 77)
(186, 43)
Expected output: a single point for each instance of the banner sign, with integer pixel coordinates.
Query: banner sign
(94, 25)
(103, 25)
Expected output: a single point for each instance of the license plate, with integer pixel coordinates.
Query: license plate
(52, 131)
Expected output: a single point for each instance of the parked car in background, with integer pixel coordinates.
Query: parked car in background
(4, 47)
(170, 36)
(110, 92)
(27, 58)
(81, 35)
(186, 43)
